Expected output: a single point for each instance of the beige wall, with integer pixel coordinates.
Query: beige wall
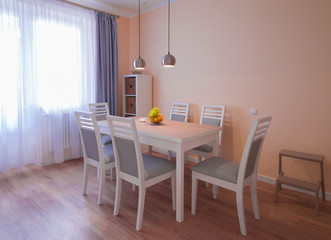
(274, 55)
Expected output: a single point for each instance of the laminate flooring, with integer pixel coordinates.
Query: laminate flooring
(47, 203)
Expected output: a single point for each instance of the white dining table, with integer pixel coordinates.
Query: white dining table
(178, 137)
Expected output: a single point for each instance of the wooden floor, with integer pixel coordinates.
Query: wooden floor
(47, 203)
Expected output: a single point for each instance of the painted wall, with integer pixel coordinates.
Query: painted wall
(273, 55)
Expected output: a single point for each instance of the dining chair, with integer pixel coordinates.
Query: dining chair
(131, 166)
(210, 115)
(179, 112)
(101, 110)
(233, 176)
(95, 153)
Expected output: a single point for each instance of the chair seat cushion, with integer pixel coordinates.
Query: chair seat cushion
(109, 153)
(204, 148)
(218, 168)
(106, 139)
(155, 166)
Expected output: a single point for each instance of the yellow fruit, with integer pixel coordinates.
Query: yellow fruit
(155, 119)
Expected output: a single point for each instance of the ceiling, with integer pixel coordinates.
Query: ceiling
(125, 8)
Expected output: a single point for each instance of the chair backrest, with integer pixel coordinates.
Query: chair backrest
(100, 110)
(213, 115)
(128, 157)
(251, 155)
(90, 136)
(179, 112)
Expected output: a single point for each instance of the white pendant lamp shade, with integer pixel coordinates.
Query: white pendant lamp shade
(168, 60)
(139, 63)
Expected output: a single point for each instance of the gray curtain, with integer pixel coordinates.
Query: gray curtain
(107, 60)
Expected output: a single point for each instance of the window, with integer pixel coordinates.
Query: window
(58, 65)
(10, 66)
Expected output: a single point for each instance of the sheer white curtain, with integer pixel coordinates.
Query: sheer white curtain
(47, 70)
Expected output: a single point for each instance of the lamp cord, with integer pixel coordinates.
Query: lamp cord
(139, 28)
(168, 26)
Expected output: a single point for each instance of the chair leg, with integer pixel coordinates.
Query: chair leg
(199, 159)
(149, 149)
(194, 193)
(111, 174)
(215, 191)
(173, 191)
(101, 185)
(98, 173)
(141, 205)
(241, 212)
(85, 180)
(169, 155)
(255, 200)
(118, 195)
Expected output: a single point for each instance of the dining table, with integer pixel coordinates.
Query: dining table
(178, 137)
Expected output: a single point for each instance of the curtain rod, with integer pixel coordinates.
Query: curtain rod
(89, 8)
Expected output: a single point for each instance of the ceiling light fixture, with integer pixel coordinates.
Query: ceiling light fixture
(168, 60)
(139, 63)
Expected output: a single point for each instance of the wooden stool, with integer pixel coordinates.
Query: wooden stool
(309, 186)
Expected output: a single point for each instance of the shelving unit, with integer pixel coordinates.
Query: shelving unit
(137, 95)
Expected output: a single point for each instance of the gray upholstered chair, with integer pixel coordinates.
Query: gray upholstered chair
(95, 153)
(101, 111)
(132, 166)
(233, 176)
(179, 112)
(210, 115)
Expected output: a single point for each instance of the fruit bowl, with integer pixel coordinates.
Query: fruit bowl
(155, 116)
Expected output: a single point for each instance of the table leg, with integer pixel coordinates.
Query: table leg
(216, 152)
(179, 185)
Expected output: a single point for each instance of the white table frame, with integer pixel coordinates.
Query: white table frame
(178, 137)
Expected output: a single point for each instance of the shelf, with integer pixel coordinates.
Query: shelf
(309, 186)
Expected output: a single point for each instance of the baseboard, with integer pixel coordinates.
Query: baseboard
(260, 177)
(50, 157)
(273, 182)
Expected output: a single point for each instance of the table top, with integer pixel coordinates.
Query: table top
(174, 131)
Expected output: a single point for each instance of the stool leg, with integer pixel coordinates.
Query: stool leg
(276, 191)
(322, 182)
(317, 200)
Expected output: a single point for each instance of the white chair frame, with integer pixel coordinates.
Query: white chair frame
(215, 112)
(258, 131)
(87, 120)
(180, 109)
(100, 110)
(126, 128)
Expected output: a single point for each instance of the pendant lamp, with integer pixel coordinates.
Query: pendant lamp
(168, 60)
(139, 63)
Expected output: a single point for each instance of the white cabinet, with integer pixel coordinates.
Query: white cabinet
(137, 95)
